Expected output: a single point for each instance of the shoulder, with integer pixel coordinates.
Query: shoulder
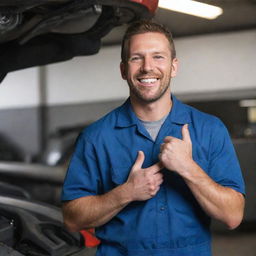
(208, 131)
(204, 125)
(203, 119)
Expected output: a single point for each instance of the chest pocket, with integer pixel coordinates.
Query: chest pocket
(120, 174)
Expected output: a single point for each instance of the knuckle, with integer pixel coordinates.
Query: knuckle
(170, 144)
(163, 156)
(152, 188)
(159, 176)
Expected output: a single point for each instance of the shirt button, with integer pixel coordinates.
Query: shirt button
(162, 208)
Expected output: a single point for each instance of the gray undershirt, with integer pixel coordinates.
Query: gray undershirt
(153, 127)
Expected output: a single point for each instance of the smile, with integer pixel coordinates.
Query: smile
(148, 80)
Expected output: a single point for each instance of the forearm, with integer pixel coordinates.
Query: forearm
(221, 203)
(93, 211)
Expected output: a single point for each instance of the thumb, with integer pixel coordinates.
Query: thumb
(139, 161)
(185, 133)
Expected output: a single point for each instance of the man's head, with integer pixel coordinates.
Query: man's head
(148, 61)
(144, 26)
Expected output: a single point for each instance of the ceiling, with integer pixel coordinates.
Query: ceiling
(237, 15)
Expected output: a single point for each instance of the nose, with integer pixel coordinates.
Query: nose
(147, 64)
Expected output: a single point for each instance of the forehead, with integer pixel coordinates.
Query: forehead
(149, 41)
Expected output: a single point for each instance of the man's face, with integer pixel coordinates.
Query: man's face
(149, 68)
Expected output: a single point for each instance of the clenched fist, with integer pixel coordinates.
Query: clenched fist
(144, 183)
(176, 154)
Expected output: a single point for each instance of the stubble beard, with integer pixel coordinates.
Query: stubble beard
(142, 95)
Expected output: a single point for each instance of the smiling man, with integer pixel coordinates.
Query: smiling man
(149, 68)
(151, 174)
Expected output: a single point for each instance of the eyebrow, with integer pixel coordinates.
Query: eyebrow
(156, 52)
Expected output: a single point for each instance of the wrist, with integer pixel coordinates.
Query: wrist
(125, 193)
(187, 169)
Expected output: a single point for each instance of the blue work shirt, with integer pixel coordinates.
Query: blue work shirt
(171, 223)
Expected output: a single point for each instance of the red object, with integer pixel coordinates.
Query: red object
(150, 4)
(90, 240)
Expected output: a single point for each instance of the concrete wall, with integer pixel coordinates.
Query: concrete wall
(20, 89)
(208, 63)
(217, 62)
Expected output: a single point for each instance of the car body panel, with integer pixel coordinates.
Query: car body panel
(35, 33)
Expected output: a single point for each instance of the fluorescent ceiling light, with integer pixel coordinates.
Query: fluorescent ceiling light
(248, 103)
(192, 7)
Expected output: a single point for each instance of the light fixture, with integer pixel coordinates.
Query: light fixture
(192, 7)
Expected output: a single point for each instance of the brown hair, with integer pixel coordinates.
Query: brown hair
(144, 26)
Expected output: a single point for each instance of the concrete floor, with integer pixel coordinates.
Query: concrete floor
(237, 244)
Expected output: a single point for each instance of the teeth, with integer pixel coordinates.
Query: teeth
(148, 80)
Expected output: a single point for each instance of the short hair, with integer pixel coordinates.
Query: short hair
(141, 27)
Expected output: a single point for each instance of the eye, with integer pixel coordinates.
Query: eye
(135, 58)
(158, 57)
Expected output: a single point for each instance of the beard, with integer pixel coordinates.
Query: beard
(143, 94)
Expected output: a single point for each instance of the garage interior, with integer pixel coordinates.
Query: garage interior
(42, 110)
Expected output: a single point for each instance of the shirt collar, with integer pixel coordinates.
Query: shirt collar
(126, 116)
(179, 114)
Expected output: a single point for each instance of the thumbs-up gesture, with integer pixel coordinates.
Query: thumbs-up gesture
(144, 183)
(176, 154)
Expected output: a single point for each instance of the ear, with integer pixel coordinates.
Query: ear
(174, 67)
(123, 70)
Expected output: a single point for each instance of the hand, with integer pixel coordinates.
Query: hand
(176, 154)
(144, 183)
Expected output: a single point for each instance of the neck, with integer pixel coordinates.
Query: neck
(153, 111)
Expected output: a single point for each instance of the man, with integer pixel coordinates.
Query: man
(150, 174)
